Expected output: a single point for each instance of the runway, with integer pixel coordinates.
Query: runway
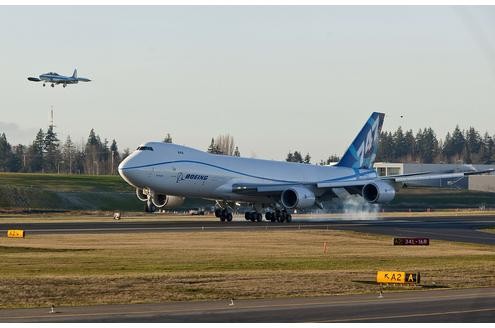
(463, 305)
(455, 228)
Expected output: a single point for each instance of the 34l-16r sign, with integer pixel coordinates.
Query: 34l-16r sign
(395, 277)
(412, 241)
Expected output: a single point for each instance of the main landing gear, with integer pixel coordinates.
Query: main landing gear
(224, 214)
(278, 216)
(275, 216)
(253, 216)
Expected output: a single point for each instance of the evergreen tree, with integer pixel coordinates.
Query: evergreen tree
(400, 145)
(297, 157)
(386, 150)
(36, 152)
(487, 149)
(116, 156)
(236, 152)
(307, 159)
(92, 153)
(458, 143)
(330, 159)
(473, 146)
(427, 145)
(410, 144)
(51, 151)
(18, 156)
(5, 153)
(168, 138)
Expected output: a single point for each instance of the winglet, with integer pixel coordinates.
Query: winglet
(362, 152)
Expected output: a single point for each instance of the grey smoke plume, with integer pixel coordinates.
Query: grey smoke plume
(356, 208)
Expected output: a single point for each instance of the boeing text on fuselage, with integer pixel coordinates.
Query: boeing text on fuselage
(165, 174)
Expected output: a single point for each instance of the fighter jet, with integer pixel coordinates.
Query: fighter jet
(55, 78)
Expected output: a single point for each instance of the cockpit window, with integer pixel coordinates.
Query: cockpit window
(144, 148)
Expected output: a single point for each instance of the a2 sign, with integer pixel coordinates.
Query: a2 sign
(394, 277)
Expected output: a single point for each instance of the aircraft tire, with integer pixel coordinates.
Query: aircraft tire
(259, 217)
(289, 218)
(229, 217)
(218, 212)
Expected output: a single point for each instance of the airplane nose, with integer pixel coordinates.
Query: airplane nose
(126, 171)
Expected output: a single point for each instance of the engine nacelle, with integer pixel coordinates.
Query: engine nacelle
(378, 192)
(141, 195)
(298, 197)
(166, 201)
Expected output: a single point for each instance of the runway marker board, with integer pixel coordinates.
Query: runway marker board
(15, 234)
(411, 241)
(397, 277)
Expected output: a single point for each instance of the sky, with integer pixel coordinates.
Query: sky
(276, 78)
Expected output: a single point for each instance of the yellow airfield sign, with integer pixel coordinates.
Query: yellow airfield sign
(397, 277)
(15, 233)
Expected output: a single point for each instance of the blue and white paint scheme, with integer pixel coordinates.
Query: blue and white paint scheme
(164, 174)
(55, 78)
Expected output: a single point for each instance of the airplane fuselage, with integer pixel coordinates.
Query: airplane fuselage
(182, 171)
(58, 79)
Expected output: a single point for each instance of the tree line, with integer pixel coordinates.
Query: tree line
(47, 154)
(459, 146)
(98, 156)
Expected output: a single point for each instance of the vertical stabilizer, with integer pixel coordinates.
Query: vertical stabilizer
(362, 152)
(74, 75)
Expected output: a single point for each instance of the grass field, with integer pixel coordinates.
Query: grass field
(154, 267)
(66, 183)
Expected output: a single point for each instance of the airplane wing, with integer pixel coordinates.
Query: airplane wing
(253, 189)
(431, 176)
(34, 79)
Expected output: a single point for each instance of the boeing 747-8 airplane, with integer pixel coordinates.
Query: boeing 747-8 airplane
(164, 174)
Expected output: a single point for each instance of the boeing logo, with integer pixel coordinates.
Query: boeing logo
(188, 176)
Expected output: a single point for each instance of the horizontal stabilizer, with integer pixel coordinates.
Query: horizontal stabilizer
(83, 79)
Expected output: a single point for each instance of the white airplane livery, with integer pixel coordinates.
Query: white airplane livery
(164, 174)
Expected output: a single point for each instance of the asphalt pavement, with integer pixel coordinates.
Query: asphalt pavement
(446, 305)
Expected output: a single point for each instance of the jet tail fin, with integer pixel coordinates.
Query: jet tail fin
(362, 152)
(74, 75)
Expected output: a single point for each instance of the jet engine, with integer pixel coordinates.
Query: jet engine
(378, 192)
(298, 197)
(166, 201)
(141, 195)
